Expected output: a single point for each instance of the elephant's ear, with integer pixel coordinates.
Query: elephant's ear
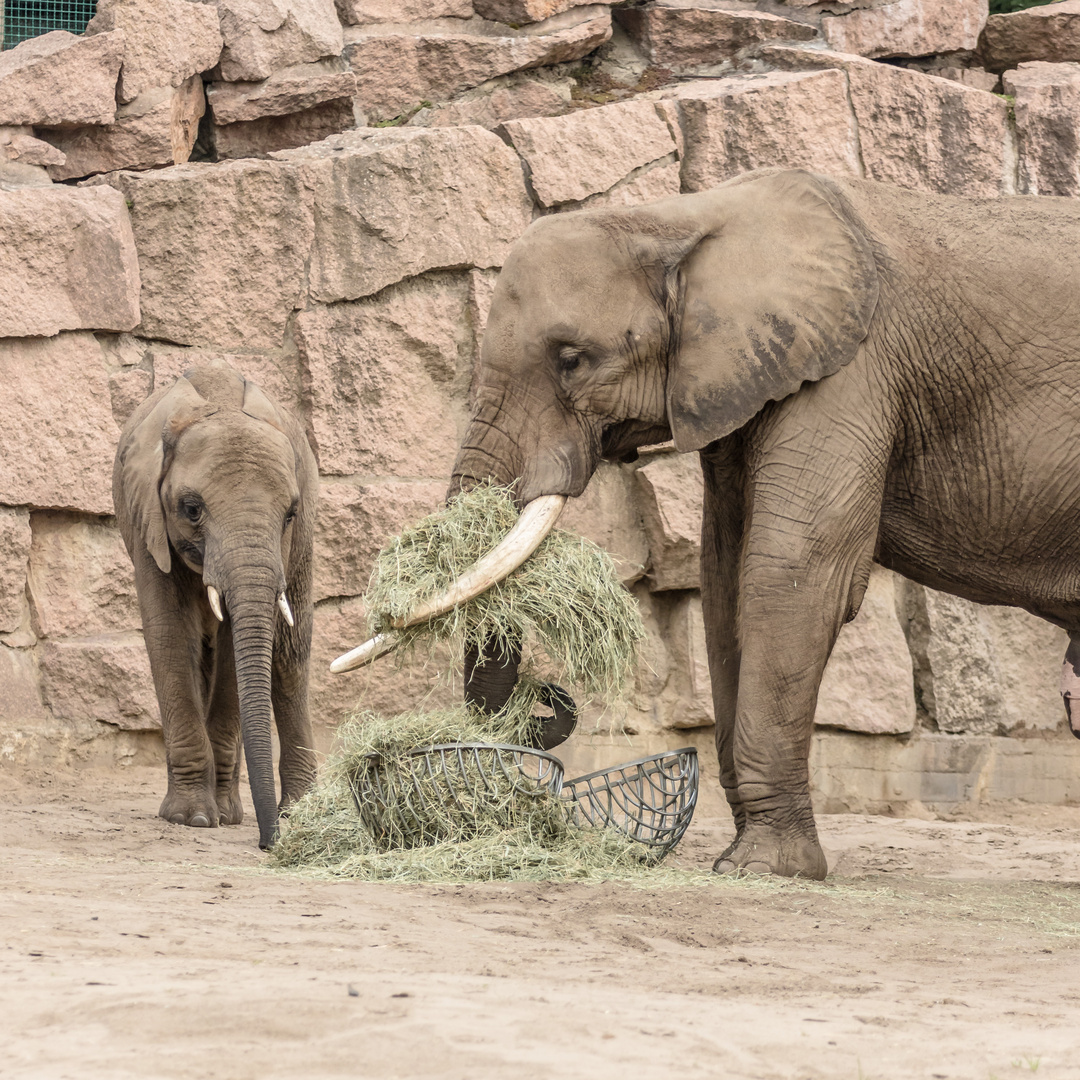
(260, 407)
(141, 466)
(780, 291)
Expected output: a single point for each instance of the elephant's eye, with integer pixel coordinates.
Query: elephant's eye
(290, 515)
(190, 508)
(569, 358)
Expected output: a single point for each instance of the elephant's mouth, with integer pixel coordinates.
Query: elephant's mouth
(620, 441)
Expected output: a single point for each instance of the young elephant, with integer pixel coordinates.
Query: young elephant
(215, 489)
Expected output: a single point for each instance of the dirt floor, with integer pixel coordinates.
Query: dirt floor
(133, 948)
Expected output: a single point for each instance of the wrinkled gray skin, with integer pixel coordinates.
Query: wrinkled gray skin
(215, 484)
(869, 374)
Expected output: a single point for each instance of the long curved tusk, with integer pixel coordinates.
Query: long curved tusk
(536, 521)
(215, 602)
(283, 603)
(379, 645)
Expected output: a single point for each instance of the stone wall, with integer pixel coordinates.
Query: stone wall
(358, 174)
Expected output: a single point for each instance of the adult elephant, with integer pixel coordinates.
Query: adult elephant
(215, 489)
(867, 373)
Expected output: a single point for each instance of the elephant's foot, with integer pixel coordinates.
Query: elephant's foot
(198, 809)
(230, 809)
(768, 849)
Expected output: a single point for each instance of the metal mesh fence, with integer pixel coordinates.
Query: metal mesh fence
(22, 19)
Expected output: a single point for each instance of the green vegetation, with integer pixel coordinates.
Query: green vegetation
(1004, 7)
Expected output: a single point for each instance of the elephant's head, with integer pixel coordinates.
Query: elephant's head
(213, 479)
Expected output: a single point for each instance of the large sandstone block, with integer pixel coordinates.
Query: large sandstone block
(165, 41)
(104, 678)
(222, 250)
(917, 131)
(289, 90)
(20, 692)
(495, 102)
(868, 684)
(701, 34)
(1049, 32)
(1047, 110)
(158, 128)
(57, 434)
(262, 36)
(363, 12)
(14, 562)
(397, 70)
(67, 262)
(19, 144)
(689, 684)
(641, 186)
(574, 156)
(386, 378)
(519, 12)
(356, 521)
(392, 204)
(81, 580)
(60, 80)
(607, 514)
(793, 120)
(257, 138)
(671, 494)
(907, 28)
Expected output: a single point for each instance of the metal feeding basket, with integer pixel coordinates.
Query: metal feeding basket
(651, 800)
(435, 792)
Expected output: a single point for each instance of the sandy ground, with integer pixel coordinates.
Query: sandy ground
(134, 948)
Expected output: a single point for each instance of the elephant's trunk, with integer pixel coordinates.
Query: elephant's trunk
(251, 593)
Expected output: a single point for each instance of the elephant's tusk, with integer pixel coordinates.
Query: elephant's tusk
(215, 602)
(283, 603)
(536, 521)
(372, 649)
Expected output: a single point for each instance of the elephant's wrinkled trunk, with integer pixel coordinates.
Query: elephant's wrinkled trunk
(251, 592)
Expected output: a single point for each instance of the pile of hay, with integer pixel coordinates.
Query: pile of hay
(567, 602)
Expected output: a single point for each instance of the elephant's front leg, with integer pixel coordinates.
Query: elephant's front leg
(721, 547)
(811, 529)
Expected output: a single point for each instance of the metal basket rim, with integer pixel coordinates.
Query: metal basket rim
(375, 755)
(633, 764)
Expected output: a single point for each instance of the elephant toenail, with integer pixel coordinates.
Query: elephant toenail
(177, 819)
(200, 821)
(724, 866)
(758, 868)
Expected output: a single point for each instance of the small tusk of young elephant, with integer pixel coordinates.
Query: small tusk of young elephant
(215, 602)
(283, 603)
(371, 650)
(536, 521)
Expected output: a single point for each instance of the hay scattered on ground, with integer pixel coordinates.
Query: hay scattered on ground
(566, 597)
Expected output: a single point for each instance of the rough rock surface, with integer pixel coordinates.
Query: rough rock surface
(256, 138)
(165, 41)
(67, 262)
(222, 250)
(14, 560)
(1047, 109)
(915, 130)
(57, 434)
(289, 90)
(262, 36)
(361, 12)
(907, 28)
(19, 144)
(684, 36)
(572, 157)
(20, 691)
(60, 79)
(607, 513)
(1050, 33)
(517, 12)
(127, 389)
(693, 705)
(356, 521)
(397, 70)
(81, 581)
(793, 120)
(158, 128)
(105, 678)
(493, 103)
(868, 684)
(385, 379)
(395, 203)
(671, 495)
(643, 185)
